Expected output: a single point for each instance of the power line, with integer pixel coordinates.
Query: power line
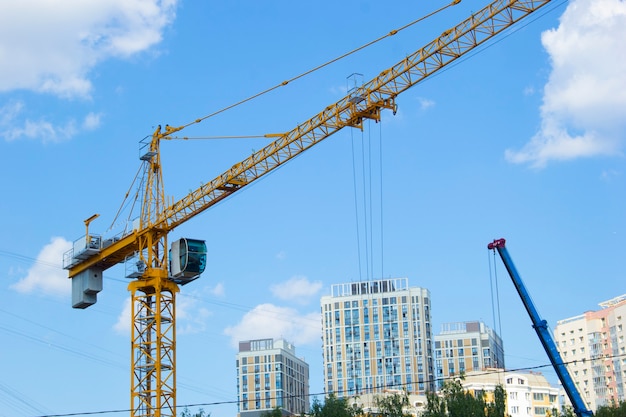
(342, 392)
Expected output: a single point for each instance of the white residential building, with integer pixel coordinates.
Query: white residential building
(527, 394)
(592, 345)
(376, 337)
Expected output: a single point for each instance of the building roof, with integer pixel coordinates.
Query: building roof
(499, 376)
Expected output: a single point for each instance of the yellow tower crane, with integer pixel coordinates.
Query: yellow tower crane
(157, 278)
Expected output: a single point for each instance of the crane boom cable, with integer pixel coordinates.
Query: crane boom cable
(121, 208)
(332, 61)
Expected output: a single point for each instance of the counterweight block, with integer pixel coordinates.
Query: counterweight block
(85, 288)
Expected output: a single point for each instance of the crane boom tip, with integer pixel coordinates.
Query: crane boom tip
(497, 243)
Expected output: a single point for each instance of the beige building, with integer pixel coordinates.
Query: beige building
(593, 348)
(269, 375)
(367, 402)
(377, 337)
(527, 394)
(464, 347)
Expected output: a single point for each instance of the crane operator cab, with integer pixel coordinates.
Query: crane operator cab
(187, 260)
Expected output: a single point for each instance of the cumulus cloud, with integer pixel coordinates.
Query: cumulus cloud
(191, 315)
(271, 321)
(297, 289)
(50, 47)
(584, 103)
(425, 103)
(218, 290)
(14, 125)
(122, 326)
(46, 276)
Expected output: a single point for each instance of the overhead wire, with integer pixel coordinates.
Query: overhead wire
(342, 392)
(18, 401)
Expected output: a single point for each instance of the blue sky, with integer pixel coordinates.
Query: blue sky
(523, 140)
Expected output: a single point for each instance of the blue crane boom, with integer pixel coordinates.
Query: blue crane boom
(541, 327)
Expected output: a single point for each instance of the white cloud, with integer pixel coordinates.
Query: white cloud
(191, 317)
(298, 289)
(425, 103)
(271, 321)
(13, 126)
(218, 290)
(122, 326)
(51, 47)
(46, 276)
(584, 103)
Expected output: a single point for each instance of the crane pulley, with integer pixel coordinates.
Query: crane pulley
(154, 287)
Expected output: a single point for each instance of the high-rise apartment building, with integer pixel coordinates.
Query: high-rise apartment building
(464, 347)
(593, 348)
(269, 375)
(527, 394)
(377, 336)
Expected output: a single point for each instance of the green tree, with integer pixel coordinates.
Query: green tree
(435, 405)
(461, 403)
(199, 413)
(498, 407)
(614, 410)
(454, 401)
(334, 407)
(392, 405)
(566, 411)
(276, 412)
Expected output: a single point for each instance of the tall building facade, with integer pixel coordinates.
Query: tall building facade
(527, 394)
(464, 347)
(376, 337)
(269, 375)
(593, 347)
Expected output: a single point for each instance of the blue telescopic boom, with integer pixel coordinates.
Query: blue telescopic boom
(541, 327)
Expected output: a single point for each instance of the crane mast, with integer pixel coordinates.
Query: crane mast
(153, 290)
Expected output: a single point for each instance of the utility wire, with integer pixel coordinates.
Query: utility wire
(343, 392)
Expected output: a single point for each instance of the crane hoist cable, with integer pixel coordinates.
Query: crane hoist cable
(364, 209)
